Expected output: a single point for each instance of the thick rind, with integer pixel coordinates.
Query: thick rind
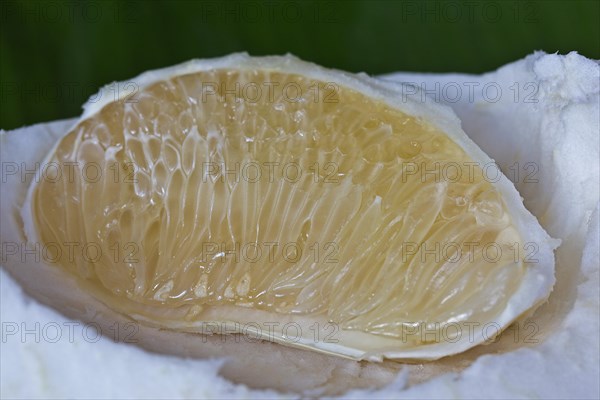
(538, 279)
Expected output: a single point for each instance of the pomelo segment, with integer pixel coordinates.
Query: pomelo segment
(251, 193)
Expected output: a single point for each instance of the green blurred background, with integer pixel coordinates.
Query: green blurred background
(55, 54)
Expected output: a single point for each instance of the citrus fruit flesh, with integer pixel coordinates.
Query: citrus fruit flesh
(254, 191)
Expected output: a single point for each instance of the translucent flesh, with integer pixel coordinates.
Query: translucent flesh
(279, 193)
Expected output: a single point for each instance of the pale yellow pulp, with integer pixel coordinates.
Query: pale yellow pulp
(344, 197)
